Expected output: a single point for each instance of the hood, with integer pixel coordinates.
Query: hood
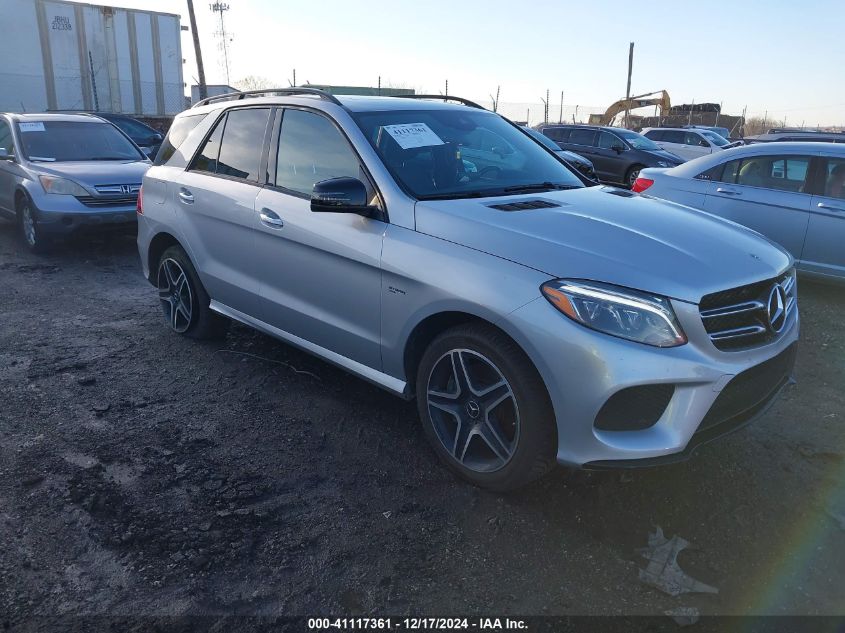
(573, 157)
(96, 172)
(662, 154)
(611, 235)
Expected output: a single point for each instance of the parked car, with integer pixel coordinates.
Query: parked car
(617, 154)
(793, 193)
(796, 136)
(572, 159)
(62, 173)
(686, 142)
(145, 137)
(535, 319)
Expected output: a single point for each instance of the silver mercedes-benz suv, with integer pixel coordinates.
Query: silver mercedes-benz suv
(438, 251)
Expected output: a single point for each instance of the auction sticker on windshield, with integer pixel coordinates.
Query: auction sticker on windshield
(410, 135)
(32, 126)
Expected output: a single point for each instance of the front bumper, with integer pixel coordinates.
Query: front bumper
(63, 215)
(582, 369)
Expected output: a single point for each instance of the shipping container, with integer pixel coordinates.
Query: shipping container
(57, 55)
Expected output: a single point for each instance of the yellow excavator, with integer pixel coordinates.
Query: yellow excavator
(640, 101)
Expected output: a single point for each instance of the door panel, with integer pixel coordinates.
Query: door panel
(612, 165)
(824, 248)
(321, 275)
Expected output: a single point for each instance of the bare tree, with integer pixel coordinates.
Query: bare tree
(760, 125)
(253, 82)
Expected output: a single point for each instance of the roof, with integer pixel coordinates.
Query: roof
(586, 125)
(707, 161)
(774, 136)
(55, 116)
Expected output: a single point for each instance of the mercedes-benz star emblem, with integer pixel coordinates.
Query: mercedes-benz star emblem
(776, 308)
(473, 409)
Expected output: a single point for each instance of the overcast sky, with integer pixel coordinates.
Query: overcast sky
(776, 56)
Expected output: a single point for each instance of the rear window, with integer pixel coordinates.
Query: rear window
(182, 126)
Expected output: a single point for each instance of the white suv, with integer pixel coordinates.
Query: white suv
(685, 142)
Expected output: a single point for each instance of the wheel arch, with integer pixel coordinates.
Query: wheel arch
(160, 243)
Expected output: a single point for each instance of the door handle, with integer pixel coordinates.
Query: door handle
(271, 218)
(729, 192)
(186, 196)
(829, 207)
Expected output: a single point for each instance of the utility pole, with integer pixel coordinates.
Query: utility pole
(560, 118)
(221, 7)
(379, 85)
(628, 88)
(197, 51)
(447, 88)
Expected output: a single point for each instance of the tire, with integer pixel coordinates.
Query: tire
(632, 174)
(509, 435)
(184, 300)
(28, 228)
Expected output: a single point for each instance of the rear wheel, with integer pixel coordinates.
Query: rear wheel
(28, 228)
(485, 408)
(184, 300)
(632, 175)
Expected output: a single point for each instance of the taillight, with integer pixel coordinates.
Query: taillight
(139, 208)
(640, 185)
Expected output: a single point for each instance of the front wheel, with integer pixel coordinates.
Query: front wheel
(29, 230)
(485, 409)
(184, 300)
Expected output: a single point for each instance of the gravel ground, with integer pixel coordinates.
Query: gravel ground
(143, 473)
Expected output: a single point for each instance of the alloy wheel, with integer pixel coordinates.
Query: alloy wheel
(28, 225)
(473, 410)
(174, 292)
(632, 177)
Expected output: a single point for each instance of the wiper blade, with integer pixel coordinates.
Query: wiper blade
(539, 186)
(455, 195)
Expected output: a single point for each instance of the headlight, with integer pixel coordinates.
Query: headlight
(628, 314)
(663, 163)
(62, 186)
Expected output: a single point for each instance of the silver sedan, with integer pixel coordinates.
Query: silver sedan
(792, 193)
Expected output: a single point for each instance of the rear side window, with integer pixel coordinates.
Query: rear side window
(834, 178)
(673, 136)
(182, 126)
(582, 137)
(6, 142)
(655, 135)
(786, 173)
(559, 134)
(206, 160)
(311, 149)
(243, 142)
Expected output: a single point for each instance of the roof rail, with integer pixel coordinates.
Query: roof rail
(466, 102)
(237, 96)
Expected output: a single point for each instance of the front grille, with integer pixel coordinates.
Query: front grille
(634, 408)
(113, 201)
(122, 189)
(525, 205)
(738, 318)
(750, 391)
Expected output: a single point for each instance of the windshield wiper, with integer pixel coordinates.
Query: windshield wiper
(539, 186)
(455, 195)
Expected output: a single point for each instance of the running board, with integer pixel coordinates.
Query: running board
(391, 384)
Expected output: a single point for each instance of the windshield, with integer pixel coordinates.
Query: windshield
(638, 141)
(542, 138)
(714, 138)
(62, 141)
(460, 153)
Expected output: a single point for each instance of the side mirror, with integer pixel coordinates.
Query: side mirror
(340, 195)
(618, 148)
(5, 155)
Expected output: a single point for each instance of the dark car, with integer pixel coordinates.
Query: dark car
(584, 166)
(617, 154)
(145, 137)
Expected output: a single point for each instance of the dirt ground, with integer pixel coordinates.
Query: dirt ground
(143, 473)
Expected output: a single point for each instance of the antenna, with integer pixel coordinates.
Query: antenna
(221, 7)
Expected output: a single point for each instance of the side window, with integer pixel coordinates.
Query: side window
(180, 129)
(7, 143)
(655, 135)
(607, 140)
(691, 138)
(559, 134)
(582, 137)
(729, 172)
(206, 160)
(243, 142)
(834, 183)
(312, 149)
(673, 136)
(787, 173)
